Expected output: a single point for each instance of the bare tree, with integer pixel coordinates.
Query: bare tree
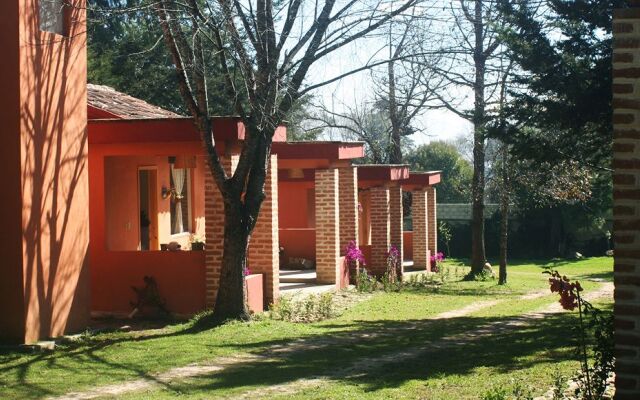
(402, 90)
(477, 62)
(265, 51)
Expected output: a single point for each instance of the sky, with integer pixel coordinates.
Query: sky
(357, 89)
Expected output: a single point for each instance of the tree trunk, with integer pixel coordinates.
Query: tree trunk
(478, 256)
(231, 300)
(395, 152)
(504, 212)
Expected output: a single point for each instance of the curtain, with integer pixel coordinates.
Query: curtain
(179, 176)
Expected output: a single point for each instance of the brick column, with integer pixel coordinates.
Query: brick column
(626, 199)
(432, 222)
(214, 230)
(380, 229)
(348, 193)
(327, 225)
(395, 220)
(264, 257)
(420, 230)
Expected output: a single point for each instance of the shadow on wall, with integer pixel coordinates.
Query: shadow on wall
(54, 179)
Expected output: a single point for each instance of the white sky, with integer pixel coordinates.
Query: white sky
(356, 89)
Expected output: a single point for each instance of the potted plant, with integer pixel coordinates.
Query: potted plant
(197, 243)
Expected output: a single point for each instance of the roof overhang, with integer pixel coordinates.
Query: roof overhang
(376, 175)
(417, 180)
(166, 130)
(307, 156)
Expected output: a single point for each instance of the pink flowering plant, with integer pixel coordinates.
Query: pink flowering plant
(593, 380)
(436, 261)
(354, 254)
(246, 271)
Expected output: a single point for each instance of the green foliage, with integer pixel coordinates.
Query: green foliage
(365, 283)
(444, 232)
(309, 309)
(456, 171)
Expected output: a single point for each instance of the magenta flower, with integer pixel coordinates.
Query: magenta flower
(354, 254)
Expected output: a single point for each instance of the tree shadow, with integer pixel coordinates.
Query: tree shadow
(384, 348)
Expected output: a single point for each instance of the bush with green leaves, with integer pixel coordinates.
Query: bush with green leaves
(309, 309)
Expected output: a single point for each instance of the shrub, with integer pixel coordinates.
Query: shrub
(592, 381)
(310, 309)
(365, 282)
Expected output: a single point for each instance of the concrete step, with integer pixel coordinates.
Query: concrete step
(298, 276)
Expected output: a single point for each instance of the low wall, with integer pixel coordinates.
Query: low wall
(298, 242)
(180, 277)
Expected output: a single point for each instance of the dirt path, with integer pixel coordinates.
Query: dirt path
(367, 364)
(361, 366)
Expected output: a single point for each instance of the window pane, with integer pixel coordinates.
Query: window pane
(52, 16)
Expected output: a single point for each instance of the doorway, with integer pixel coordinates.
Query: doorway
(148, 222)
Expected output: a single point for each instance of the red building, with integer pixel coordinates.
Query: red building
(97, 183)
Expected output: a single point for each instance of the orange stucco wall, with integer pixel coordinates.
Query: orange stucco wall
(407, 245)
(122, 199)
(180, 275)
(43, 78)
(296, 219)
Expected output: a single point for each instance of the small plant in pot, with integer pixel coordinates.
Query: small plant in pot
(197, 243)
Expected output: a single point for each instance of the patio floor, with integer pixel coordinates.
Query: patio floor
(301, 283)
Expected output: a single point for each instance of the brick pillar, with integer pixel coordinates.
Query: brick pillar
(395, 220)
(348, 193)
(327, 225)
(420, 230)
(626, 199)
(264, 257)
(214, 231)
(380, 229)
(432, 222)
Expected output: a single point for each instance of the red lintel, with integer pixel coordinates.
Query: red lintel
(331, 151)
(371, 175)
(421, 179)
(109, 131)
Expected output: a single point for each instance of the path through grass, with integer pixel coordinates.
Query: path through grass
(385, 323)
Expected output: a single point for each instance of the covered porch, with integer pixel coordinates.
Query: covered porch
(317, 212)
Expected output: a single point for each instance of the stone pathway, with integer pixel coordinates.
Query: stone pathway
(358, 368)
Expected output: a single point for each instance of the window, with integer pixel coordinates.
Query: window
(180, 179)
(52, 16)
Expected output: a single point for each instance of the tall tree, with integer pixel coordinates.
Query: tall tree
(456, 171)
(272, 46)
(476, 49)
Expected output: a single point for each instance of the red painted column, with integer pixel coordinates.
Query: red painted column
(264, 257)
(327, 225)
(380, 229)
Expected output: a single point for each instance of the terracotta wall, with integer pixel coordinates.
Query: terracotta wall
(43, 78)
(296, 219)
(121, 194)
(180, 277)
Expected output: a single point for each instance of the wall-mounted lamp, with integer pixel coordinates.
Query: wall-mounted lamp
(165, 192)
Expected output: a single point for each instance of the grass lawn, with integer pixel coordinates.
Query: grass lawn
(382, 325)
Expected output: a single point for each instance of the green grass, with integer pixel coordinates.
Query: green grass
(381, 325)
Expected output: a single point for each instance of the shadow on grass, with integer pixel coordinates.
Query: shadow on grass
(373, 341)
